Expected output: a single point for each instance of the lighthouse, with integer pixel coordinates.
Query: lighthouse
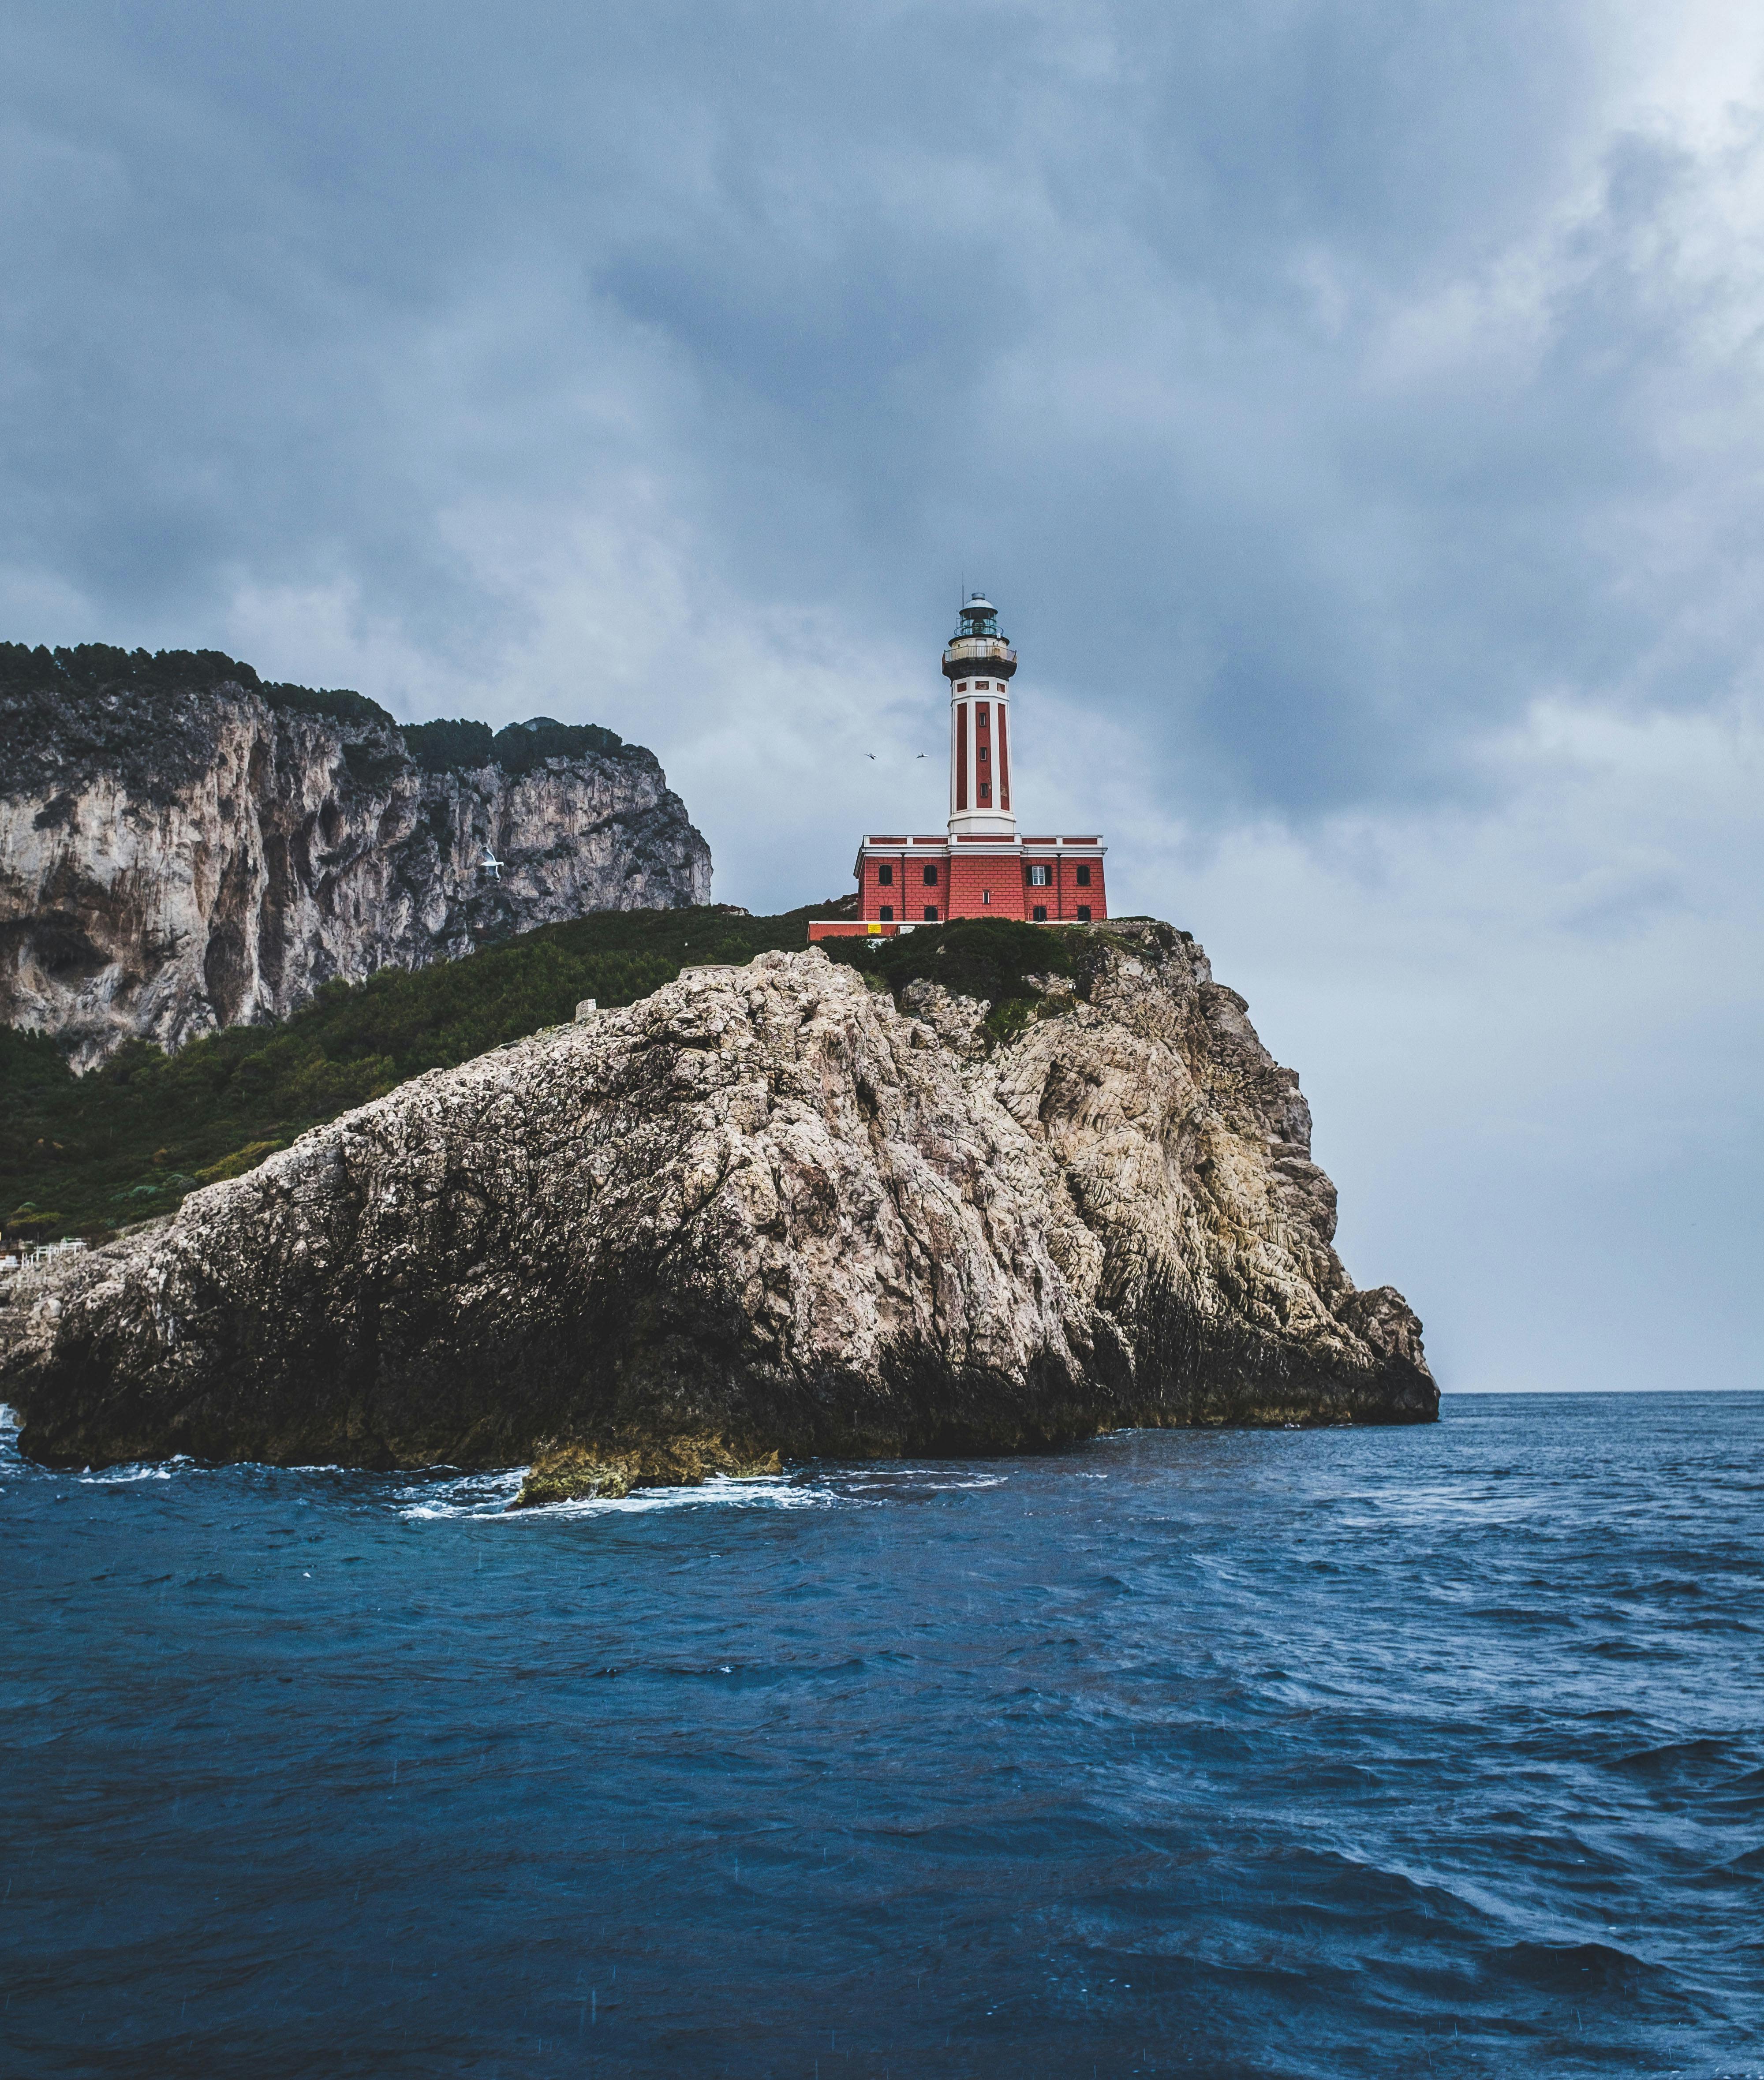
(980, 866)
(980, 664)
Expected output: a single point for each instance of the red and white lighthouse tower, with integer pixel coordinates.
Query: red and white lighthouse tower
(980, 866)
(980, 666)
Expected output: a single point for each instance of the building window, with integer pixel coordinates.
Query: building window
(885, 876)
(985, 896)
(985, 756)
(962, 687)
(1084, 913)
(930, 913)
(886, 913)
(1084, 877)
(985, 791)
(931, 877)
(1040, 876)
(1040, 913)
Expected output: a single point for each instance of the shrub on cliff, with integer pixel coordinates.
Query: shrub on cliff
(522, 745)
(442, 746)
(93, 669)
(103, 668)
(450, 747)
(997, 960)
(464, 747)
(337, 703)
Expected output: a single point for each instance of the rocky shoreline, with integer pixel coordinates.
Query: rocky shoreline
(766, 1214)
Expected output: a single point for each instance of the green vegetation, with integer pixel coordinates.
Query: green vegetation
(337, 701)
(450, 747)
(85, 1155)
(93, 668)
(522, 745)
(463, 746)
(102, 667)
(995, 959)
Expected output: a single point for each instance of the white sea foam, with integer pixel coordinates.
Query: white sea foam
(935, 1480)
(139, 1470)
(465, 1495)
(489, 1495)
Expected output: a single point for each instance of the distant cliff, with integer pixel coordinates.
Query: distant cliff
(184, 846)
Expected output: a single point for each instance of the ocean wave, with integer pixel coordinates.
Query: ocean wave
(464, 1495)
(1014, 1782)
(1704, 1751)
(489, 1495)
(922, 1480)
(141, 1470)
(868, 1487)
(1571, 1968)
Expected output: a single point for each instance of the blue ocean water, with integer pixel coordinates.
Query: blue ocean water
(1435, 1750)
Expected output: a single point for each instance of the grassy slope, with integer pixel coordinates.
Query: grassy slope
(83, 1154)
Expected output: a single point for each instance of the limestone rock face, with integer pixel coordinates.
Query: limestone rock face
(762, 1211)
(174, 861)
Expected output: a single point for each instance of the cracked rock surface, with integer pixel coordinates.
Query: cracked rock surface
(172, 862)
(762, 1212)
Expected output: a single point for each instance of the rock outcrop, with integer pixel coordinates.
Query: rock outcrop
(178, 856)
(764, 1211)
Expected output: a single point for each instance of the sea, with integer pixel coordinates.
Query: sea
(1396, 1752)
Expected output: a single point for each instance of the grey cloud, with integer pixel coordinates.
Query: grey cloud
(815, 253)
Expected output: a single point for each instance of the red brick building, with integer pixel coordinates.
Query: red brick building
(980, 866)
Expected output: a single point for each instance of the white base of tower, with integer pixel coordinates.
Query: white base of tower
(982, 824)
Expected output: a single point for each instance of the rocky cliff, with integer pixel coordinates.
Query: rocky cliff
(183, 847)
(766, 1211)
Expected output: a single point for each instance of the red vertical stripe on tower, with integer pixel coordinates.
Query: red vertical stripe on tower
(1001, 755)
(961, 754)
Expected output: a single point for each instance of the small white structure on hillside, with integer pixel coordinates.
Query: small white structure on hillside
(46, 1252)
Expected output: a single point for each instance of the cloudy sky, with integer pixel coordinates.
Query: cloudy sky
(1355, 409)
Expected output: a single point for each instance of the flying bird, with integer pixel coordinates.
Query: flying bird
(869, 754)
